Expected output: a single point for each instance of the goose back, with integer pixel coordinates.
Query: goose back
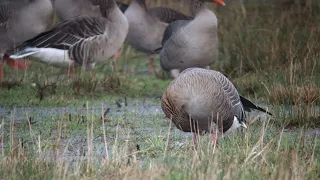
(168, 15)
(202, 96)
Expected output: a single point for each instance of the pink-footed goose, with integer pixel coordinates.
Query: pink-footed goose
(20, 21)
(79, 41)
(146, 26)
(202, 100)
(191, 43)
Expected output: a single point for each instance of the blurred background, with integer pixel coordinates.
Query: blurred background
(268, 48)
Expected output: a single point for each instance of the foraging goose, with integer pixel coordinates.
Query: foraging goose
(20, 21)
(82, 40)
(191, 43)
(205, 96)
(146, 26)
(67, 9)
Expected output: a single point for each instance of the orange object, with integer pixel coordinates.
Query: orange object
(220, 2)
(17, 64)
(117, 54)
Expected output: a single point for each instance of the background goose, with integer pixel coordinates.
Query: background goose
(191, 43)
(204, 96)
(146, 26)
(67, 9)
(20, 21)
(82, 40)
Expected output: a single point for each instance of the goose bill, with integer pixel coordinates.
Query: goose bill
(220, 2)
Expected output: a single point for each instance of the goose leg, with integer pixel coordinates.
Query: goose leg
(70, 73)
(195, 143)
(151, 60)
(17, 64)
(214, 138)
(117, 54)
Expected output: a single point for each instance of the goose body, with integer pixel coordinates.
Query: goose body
(146, 26)
(20, 21)
(81, 40)
(207, 98)
(67, 9)
(192, 43)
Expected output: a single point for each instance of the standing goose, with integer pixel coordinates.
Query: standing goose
(146, 26)
(67, 9)
(20, 21)
(82, 40)
(206, 97)
(191, 43)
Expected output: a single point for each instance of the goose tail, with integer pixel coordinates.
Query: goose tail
(24, 53)
(248, 105)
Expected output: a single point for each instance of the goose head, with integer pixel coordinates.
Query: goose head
(105, 6)
(197, 6)
(237, 123)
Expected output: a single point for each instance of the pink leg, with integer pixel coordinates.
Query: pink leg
(70, 73)
(195, 143)
(214, 138)
(151, 69)
(117, 54)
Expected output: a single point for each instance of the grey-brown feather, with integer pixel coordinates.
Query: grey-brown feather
(21, 20)
(204, 96)
(146, 26)
(192, 43)
(86, 38)
(67, 9)
(168, 15)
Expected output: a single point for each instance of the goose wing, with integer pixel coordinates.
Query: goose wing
(233, 96)
(68, 33)
(172, 28)
(167, 15)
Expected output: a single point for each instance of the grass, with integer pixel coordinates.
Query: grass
(57, 129)
(135, 145)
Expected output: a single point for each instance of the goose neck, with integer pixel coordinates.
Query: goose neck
(107, 7)
(196, 6)
(141, 3)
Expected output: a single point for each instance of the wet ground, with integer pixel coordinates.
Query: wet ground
(135, 125)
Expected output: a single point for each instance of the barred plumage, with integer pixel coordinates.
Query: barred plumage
(204, 97)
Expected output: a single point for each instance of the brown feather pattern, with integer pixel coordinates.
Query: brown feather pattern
(204, 95)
